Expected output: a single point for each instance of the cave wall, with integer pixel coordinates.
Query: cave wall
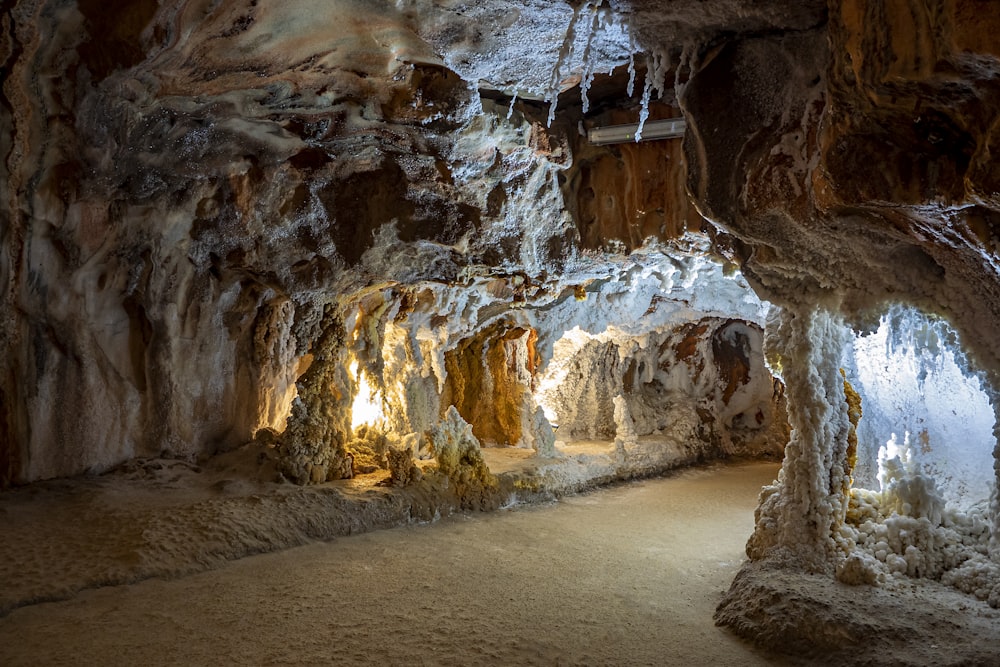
(910, 372)
(857, 173)
(487, 377)
(702, 381)
(189, 191)
(199, 200)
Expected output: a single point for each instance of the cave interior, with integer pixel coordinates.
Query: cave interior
(374, 241)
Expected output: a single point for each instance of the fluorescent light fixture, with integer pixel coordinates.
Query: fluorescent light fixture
(669, 128)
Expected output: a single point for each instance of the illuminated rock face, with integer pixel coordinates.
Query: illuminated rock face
(212, 214)
(699, 382)
(208, 212)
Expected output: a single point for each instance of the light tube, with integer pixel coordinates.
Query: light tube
(669, 128)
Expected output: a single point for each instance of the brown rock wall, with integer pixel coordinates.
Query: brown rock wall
(489, 377)
(854, 172)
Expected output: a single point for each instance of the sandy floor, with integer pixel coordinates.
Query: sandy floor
(628, 575)
(169, 518)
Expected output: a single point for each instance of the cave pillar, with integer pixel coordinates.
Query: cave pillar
(801, 515)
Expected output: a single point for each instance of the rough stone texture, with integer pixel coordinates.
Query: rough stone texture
(183, 202)
(856, 172)
(212, 212)
(312, 446)
(812, 618)
(854, 414)
(700, 382)
(460, 458)
(402, 470)
(217, 219)
(800, 515)
(490, 384)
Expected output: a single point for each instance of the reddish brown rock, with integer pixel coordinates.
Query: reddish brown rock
(856, 172)
(489, 377)
(630, 192)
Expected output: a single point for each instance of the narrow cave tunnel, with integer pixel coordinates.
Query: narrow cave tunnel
(279, 273)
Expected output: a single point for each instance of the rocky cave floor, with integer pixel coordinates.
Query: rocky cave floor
(171, 520)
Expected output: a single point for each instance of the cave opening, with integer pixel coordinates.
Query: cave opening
(878, 502)
(655, 357)
(922, 400)
(698, 385)
(921, 456)
(368, 405)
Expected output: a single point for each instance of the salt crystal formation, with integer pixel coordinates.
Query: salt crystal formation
(918, 385)
(222, 222)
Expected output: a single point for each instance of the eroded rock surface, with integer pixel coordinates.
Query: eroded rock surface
(195, 194)
(227, 221)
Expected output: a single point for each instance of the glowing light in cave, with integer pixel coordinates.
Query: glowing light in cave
(555, 373)
(914, 380)
(367, 405)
